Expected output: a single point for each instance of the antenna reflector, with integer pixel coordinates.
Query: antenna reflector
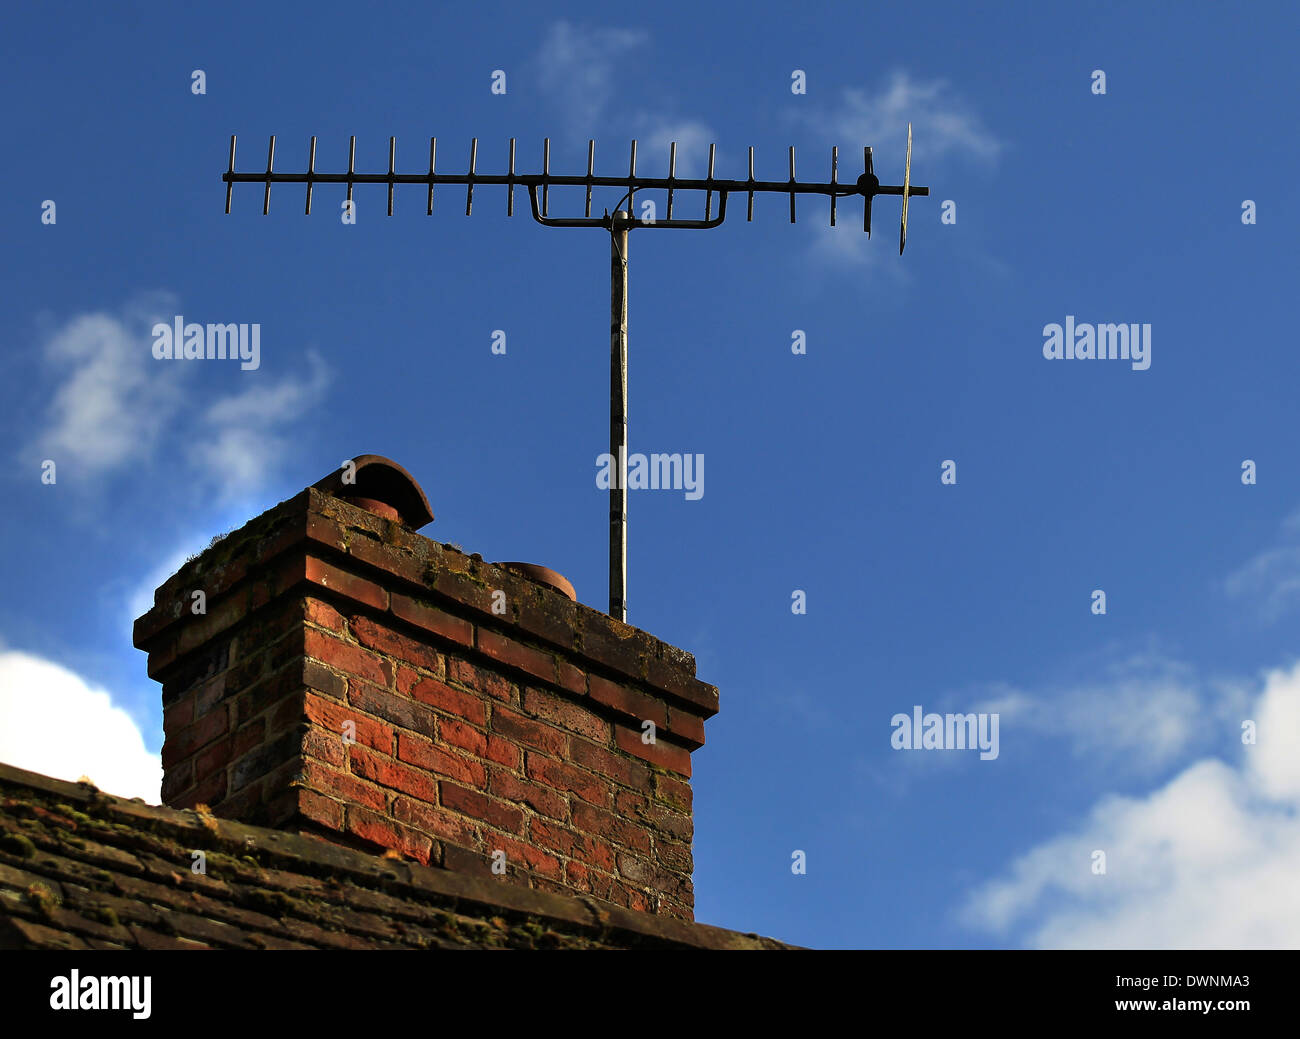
(907, 187)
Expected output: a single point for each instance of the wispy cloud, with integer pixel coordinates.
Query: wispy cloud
(1205, 861)
(1140, 714)
(244, 444)
(575, 66)
(110, 403)
(944, 125)
(658, 132)
(945, 129)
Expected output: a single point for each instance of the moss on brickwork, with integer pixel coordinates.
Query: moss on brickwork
(17, 844)
(43, 900)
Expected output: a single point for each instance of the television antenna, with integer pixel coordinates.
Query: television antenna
(618, 224)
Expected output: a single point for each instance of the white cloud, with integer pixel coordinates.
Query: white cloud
(943, 124)
(112, 403)
(575, 66)
(1206, 861)
(53, 722)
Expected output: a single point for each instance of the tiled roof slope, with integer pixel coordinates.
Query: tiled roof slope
(80, 869)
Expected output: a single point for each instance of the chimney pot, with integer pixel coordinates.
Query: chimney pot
(379, 481)
(543, 575)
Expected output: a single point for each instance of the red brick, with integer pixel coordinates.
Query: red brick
(456, 629)
(317, 676)
(393, 774)
(458, 734)
(690, 727)
(584, 878)
(620, 646)
(532, 858)
(617, 766)
(386, 557)
(388, 834)
(675, 824)
(213, 757)
(630, 804)
(331, 716)
(324, 746)
(666, 755)
(534, 734)
(610, 826)
(209, 695)
(675, 855)
(636, 869)
(584, 847)
(654, 815)
(628, 701)
(440, 762)
(179, 714)
(352, 659)
(429, 819)
(673, 792)
(572, 678)
(323, 615)
(503, 752)
(463, 860)
(285, 686)
(209, 791)
(538, 798)
(334, 783)
(442, 696)
(340, 582)
(384, 640)
(392, 707)
(560, 776)
(488, 682)
(578, 876)
(177, 780)
(194, 737)
(318, 808)
(514, 654)
(673, 679)
(543, 613)
(565, 713)
(242, 801)
(491, 811)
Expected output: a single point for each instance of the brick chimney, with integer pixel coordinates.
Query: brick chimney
(328, 671)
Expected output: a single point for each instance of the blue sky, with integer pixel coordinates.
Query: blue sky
(1119, 732)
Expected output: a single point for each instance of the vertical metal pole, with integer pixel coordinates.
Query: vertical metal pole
(618, 414)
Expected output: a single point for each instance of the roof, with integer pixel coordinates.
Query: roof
(80, 869)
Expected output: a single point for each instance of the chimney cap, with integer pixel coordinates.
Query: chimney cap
(382, 480)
